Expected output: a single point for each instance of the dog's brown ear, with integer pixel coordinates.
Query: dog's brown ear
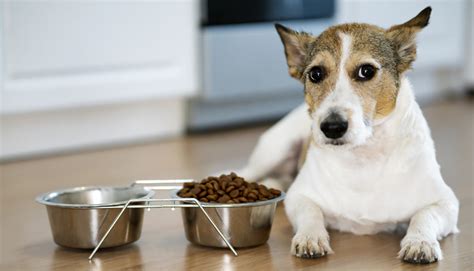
(403, 37)
(296, 49)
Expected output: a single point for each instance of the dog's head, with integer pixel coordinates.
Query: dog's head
(351, 75)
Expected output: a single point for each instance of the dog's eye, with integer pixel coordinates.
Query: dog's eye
(365, 72)
(316, 74)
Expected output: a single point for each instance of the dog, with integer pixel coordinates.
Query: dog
(369, 159)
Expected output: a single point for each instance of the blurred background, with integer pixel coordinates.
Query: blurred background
(80, 75)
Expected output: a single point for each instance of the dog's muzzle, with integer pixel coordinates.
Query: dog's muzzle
(334, 126)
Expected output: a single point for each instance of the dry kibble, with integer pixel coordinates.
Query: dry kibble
(212, 197)
(227, 189)
(234, 193)
(253, 185)
(224, 199)
(243, 199)
(189, 185)
(195, 190)
(264, 192)
(275, 192)
(252, 196)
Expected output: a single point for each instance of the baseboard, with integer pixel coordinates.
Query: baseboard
(59, 131)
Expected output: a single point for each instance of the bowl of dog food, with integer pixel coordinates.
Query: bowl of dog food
(243, 211)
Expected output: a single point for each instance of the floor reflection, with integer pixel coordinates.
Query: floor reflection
(124, 257)
(223, 259)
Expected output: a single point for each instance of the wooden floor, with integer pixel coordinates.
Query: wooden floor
(26, 242)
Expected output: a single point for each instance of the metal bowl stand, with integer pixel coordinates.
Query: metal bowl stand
(160, 203)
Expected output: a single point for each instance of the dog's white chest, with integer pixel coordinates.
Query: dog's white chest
(365, 195)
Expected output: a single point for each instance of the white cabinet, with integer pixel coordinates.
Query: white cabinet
(60, 54)
(120, 68)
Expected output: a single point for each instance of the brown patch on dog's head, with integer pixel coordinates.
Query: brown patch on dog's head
(390, 51)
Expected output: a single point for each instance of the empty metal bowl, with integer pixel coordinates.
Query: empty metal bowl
(79, 217)
(244, 224)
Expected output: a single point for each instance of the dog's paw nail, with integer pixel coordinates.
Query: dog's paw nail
(419, 251)
(309, 246)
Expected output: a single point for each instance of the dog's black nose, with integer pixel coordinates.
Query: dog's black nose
(334, 126)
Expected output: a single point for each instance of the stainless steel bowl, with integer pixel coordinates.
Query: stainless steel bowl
(79, 217)
(244, 224)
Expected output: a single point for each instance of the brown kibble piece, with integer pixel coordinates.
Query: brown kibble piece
(242, 199)
(264, 192)
(212, 197)
(230, 188)
(253, 185)
(234, 193)
(204, 200)
(195, 190)
(252, 196)
(188, 185)
(224, 199)
(275, 192)
(187, 195)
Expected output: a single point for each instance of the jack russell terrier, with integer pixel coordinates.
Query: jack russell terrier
(370, 161)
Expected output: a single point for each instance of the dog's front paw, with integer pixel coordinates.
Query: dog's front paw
(419, 251)
(310, 245)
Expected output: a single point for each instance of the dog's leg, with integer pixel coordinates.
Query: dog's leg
(276, 144)
(281, 182)
(420, 244)
(311, 239)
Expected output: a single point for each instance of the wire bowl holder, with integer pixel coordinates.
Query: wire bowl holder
(160, 203)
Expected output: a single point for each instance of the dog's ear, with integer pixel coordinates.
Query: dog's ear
(296, 49)
(403, 37)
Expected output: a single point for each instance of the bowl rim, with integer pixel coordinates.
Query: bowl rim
(45, 198)
(174, 194)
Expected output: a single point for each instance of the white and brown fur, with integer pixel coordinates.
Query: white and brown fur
(383, 172)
